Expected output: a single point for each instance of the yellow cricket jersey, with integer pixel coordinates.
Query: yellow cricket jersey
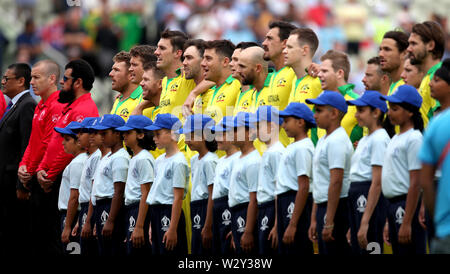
(307, 87)
(174, 93)
(124, 107)
(201, 102)
(278, 89)
(244, 101)
(223, 99)
(429, 104)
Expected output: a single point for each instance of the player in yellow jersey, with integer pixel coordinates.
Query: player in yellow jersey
(427, 45)
(244, 99)
(216, 65)
(392, 54)
(281, 81)
(300, 49)
(130, 93)
(175, 87)
(193, 56)
(333, 74)
(375, 78)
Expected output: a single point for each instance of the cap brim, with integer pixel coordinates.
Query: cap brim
(315, 102)
(358, 103)
(284, 113)
(124, 128)
(391, 98)
(64, 131)
(100, 127)
(153, 127)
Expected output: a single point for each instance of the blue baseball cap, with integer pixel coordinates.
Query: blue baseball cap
(243, 119)
(196, 122)
(266, 113)
(136, 122)
(85, 124)
(165, 120)
(331, 98)
(109, 121)
(405, 94)
(225, 124)
(68, 130)
(94, 123)
(370, 98)
(299, 110)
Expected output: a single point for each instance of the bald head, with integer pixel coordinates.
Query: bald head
(254, 56)
(252, 67)
(45, 78)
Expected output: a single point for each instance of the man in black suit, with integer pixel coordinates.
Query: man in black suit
(15, 129)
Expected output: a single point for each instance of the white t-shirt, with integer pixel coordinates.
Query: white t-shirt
(400, 158)
(296, 161)
(170, 173)
(244, 178)
(70, 180)
(114, 169)
(97, 174)
(140, 171)
(222, 175)
(333, 151)
(267, 173)
(87, 175)
(203, 171)
(368, 153)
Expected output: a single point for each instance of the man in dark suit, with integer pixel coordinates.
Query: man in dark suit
(15, 129)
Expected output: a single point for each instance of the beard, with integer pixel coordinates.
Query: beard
(420, 56)
(67, 96)
(248, 80)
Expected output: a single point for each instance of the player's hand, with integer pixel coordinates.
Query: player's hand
(65, 236)
(247, 241)
(170, 239)
(207, 236)
(22, 195)
(150, 233)
(137, 237)
(86, 230)
(188, 105)
(273, 237)
(312, 232)
(24, 176)
(327, 234)
(75, 230)
(404, 234)
(108, 229)
(289, 234)
(349, 237)
(313, 70)
(422, 219)
(230, 236)
(362, 235)
(45, 183)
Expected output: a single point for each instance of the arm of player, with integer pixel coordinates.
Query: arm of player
(334, 192)
(170, 238)
(299, 205)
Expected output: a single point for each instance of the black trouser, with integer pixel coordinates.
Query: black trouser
(238, 223)
(88, 246)
(160, 218)
(264, 224)
(131, 217)
(285, 209)
(198, 218)
(221, 227)
(339, 245)
(45, 221)
(63, 216)
(115, 244)
(15, 219)
(357, 197)
(395, 211)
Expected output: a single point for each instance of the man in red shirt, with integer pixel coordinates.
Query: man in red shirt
(44, 80)
(76, 85)
(2, 104)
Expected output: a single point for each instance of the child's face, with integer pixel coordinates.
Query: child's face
(70, 144)
(163, 138)
(130, 138)
(194, 141)
(83, 139)
(264, 130)
(110, 137)
(243, 136)
(364, 116)
(322, 116)
(92, 142)
(291, 126)
(398, 115)
(98, 138)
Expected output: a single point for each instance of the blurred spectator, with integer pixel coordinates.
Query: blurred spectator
(3, 44)
(447, 47)
(380, 23)
(75, 38)
(107, 42)
(404, 18)
(353, 16)
(203, 25)
(318, 13)
(28, 44)
(25, 8)
(53, 32)
(259, 20)
(331, 36)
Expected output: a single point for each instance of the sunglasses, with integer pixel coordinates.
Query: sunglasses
(66, 78)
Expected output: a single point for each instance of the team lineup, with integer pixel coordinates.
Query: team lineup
(213, 148)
